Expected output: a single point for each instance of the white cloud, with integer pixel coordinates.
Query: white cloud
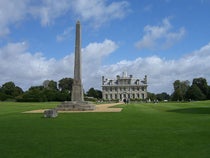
(48, 10)
(93, 55)
(99, 12)
(11, 12)
(23, 67)
(160, 37)
(162, 73)
(27, 69)
(66, 34)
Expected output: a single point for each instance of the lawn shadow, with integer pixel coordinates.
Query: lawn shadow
(199, 110)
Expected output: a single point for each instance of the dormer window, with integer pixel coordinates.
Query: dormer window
(137, 82)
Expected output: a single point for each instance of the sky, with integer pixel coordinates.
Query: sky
(166, 40)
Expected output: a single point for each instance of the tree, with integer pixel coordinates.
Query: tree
(36, 88)
(202, 85)
(94, 93)
(51, 85)
(10, 89)
(3, 96)
(65, 84)
(50, 95)
(34, 94)
(151, 96)
(63, 96)
(194, 93)
(208, 96)
(163, 96)
(180, 89)
(99, 94)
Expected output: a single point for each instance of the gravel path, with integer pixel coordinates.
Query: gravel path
(99, 108)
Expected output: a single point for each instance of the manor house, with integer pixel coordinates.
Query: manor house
(124, 87)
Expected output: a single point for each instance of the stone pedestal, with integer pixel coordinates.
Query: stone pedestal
(51, 113)
(75, 106)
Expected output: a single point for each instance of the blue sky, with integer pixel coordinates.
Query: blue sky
(164, 39)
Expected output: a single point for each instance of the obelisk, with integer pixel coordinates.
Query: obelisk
(77, 88)
(77, 102)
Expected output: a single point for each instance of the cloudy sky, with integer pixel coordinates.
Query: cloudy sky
(163, 39)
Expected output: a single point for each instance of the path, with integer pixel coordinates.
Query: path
(99, 108)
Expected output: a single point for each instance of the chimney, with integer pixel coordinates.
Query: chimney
(103, 80)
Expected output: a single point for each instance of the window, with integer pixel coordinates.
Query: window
(106, 97)
(124, 95)
(142, 95)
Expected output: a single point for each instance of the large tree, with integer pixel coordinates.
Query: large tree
(10, 89)
(180, 89)
(34, 94)
(208, 97)
(151, 96)
(94, 93)
(194, 93)
(65, 84)
(163, 96)
(50, 84)
(202, 85)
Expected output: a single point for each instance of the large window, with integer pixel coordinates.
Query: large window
(106, 97)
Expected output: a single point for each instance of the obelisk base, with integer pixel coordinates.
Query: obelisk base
(75, 106)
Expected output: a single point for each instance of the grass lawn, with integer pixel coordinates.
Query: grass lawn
(163, 130)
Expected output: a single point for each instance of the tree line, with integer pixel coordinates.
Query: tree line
(184, 91)
(52, 91)
(49, 91)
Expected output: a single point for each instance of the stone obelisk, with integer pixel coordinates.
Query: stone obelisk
(77, 102)
(77, 88)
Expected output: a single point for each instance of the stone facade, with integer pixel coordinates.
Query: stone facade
(124, 87)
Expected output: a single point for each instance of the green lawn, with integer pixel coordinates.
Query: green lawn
(163, 130)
